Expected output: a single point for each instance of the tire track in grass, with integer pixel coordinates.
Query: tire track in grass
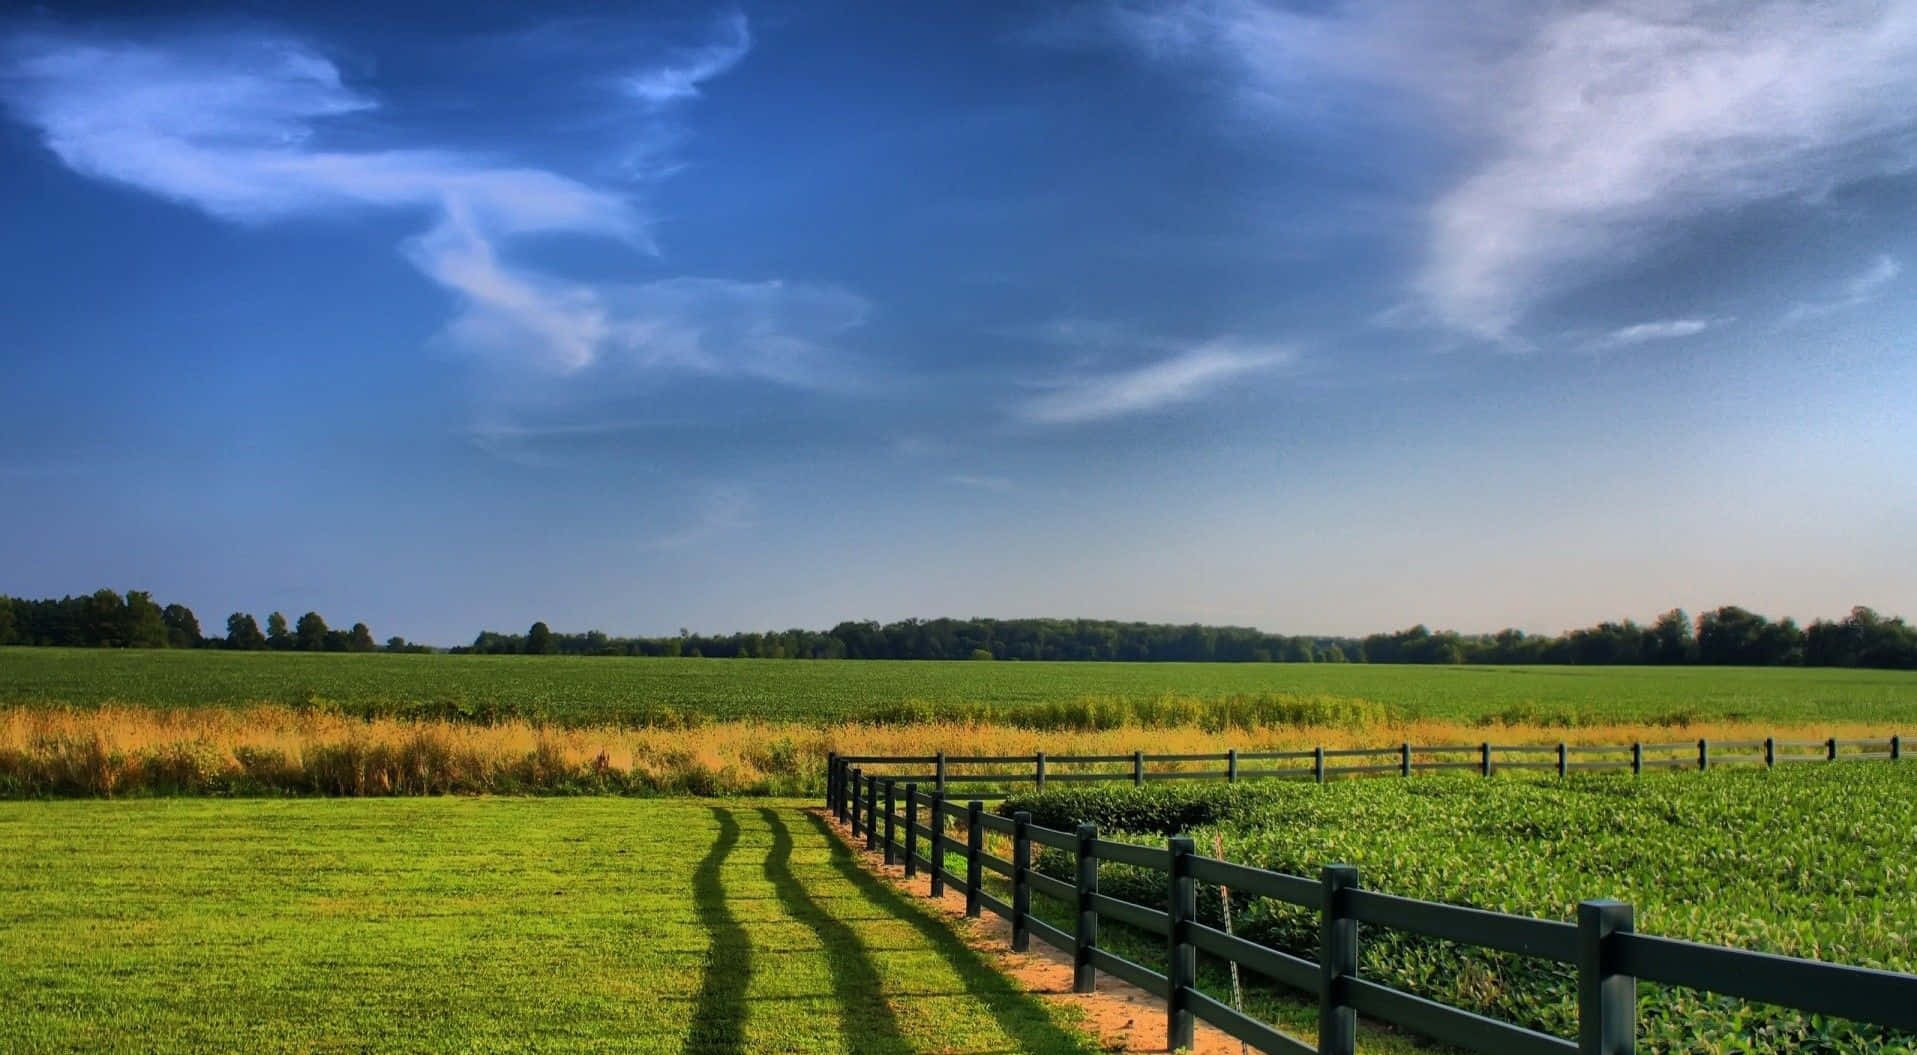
(718, 1018)
(1020, 1016)
(865, 1015)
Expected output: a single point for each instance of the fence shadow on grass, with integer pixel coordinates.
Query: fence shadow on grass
(864, 1013)
(718, 1017)
(1020, 1015)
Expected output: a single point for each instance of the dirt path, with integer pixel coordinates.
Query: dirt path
(1122, 1016)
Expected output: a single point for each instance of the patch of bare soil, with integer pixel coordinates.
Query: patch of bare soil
(1123, 1017)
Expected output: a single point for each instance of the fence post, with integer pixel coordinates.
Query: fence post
(872, 813)
(1138, 768)
(1896, 747)
(1318, 763)
(1021, 880)
(1832, 745)
(1607, 1000)
(911, 830)
(1038, 770)
(891, 829)
(1562, 753)
(1484, 758)
(1337, 961)
(1703, 754)
(831, 781)
(1085, 936)
(938, 773)
(1181, 970)
(974, 846)
(1231, 766)
(1404, 760)
(1770, 752)
(858, 790)
(937, 845)
(1637, 758)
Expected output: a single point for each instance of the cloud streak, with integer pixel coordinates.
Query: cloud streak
(1861, 288)
(1591, 131)
(1177, 379)
(680, 79)
(239, 126)
(1661, 330)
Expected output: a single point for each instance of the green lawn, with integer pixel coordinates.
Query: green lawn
(585, 690)
(496, 925)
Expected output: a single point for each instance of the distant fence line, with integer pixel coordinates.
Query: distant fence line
(1603, 945)
(1405, 759)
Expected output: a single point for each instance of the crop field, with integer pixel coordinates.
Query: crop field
(594, 691)
(438, 925)
(1809, 861)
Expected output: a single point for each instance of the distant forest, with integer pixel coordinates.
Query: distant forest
(1728, 636)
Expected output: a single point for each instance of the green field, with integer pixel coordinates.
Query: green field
(591, 690)
(1810, 861)
(501, 925)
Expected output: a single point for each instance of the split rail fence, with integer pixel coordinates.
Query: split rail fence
(891, 815)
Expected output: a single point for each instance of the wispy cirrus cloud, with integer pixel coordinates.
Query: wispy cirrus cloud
(1591, 131)
(1182, 377)
(242, 126)
(1861, 288)
(1660, 330)
(679, 78)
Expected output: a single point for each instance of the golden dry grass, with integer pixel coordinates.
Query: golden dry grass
(278, 750)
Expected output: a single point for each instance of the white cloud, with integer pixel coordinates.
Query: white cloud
(1178, 379)
(236, 125)
(680, 80)
(1860, 288)
(1661, 330)
(1591, 130)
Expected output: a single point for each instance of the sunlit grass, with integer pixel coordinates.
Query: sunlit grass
(501, 925)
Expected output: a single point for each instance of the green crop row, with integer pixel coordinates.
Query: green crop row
(1810, 861)
(1064, 696)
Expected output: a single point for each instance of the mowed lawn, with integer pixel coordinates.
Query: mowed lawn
(589, 690)
(490, 925)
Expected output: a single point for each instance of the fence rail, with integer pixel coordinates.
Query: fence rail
(1040, 769)
(1603, 946)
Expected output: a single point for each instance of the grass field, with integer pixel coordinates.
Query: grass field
(437, 925)
(591, 691)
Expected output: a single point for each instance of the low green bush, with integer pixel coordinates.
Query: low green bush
(1808, 861)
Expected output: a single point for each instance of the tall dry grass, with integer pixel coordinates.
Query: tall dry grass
(281, 751)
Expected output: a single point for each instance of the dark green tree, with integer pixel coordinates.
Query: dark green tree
(1672, 640)
(309, 634)
(243, 633)
(182, 626)
(145, 622)
(277, 637)
(539, 639)
(361, 639)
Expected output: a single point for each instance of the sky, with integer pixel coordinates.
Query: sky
(1322, 316)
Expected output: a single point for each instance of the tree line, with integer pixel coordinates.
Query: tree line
(1728, 636)
(109, 619)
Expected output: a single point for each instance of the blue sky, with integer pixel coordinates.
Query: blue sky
(1317, 316)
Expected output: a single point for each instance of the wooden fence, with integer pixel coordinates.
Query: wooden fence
(1610, 957)
(1321, 763)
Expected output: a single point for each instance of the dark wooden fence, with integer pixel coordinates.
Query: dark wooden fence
(1321, 763)
(893, 816)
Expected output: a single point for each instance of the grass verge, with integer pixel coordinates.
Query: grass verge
(432, 925)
